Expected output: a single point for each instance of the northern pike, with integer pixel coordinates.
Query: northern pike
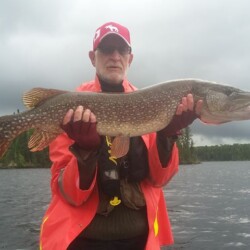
(121, 115)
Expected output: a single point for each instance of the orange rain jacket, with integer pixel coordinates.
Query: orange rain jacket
(64, 220)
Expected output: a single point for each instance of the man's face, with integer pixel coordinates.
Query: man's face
(111, 59)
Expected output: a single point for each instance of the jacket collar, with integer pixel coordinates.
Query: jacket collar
(126, 85)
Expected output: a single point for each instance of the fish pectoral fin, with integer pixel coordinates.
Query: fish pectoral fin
(4, 145)
(40, 139)
(120, 146)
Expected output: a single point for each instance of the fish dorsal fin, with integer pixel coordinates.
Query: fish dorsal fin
(36, 96)
(40, 139)
(120, 146)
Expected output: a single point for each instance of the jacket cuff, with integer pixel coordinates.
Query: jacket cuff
(83, 156)
(165, 146)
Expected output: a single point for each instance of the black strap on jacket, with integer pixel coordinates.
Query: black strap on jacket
(134, 166)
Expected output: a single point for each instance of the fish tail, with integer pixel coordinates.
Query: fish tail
(8, 132)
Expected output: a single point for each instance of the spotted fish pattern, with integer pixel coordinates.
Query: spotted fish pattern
(121, 115)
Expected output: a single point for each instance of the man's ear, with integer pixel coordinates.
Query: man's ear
(92, 57)
(131, 56)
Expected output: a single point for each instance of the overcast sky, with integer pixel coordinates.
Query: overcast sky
(45, 43)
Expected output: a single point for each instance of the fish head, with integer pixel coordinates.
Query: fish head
(223, 104)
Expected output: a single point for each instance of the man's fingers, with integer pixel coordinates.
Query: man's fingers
(198, 107)
(78, 114)
(86, 115)
(67, 118)
(190, 102)
(92, 118)
(184, 103)
(187, 103)
(179, 109)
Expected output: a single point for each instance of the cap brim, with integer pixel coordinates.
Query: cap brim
(116, 34)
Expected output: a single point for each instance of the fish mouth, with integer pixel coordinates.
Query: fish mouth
(236, 113)
(243, 113)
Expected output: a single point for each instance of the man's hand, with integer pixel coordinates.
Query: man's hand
(186, 113)
(187, 104)
(80, 125)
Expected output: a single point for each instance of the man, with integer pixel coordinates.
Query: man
(100, 201)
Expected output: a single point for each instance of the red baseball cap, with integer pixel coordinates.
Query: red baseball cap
(108, 29)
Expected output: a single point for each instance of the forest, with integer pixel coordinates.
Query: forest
(19, 156)
(189, 154)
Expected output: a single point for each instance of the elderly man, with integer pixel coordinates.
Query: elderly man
(100, 201)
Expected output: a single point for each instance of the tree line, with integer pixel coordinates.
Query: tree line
(18, 154)
(189, 154)
(235, 152)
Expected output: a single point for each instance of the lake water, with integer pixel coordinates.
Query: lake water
(209, 206)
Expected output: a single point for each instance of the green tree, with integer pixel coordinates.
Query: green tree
(186, 147)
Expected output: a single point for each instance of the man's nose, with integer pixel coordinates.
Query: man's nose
(116, 55)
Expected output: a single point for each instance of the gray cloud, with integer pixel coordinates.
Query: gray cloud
(46, 43)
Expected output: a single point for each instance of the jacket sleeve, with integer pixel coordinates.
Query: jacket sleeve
(160, 174)
(65, 180)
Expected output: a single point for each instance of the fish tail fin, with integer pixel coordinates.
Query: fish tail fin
(8, 132)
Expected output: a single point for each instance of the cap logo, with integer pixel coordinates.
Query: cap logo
(112, 28)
